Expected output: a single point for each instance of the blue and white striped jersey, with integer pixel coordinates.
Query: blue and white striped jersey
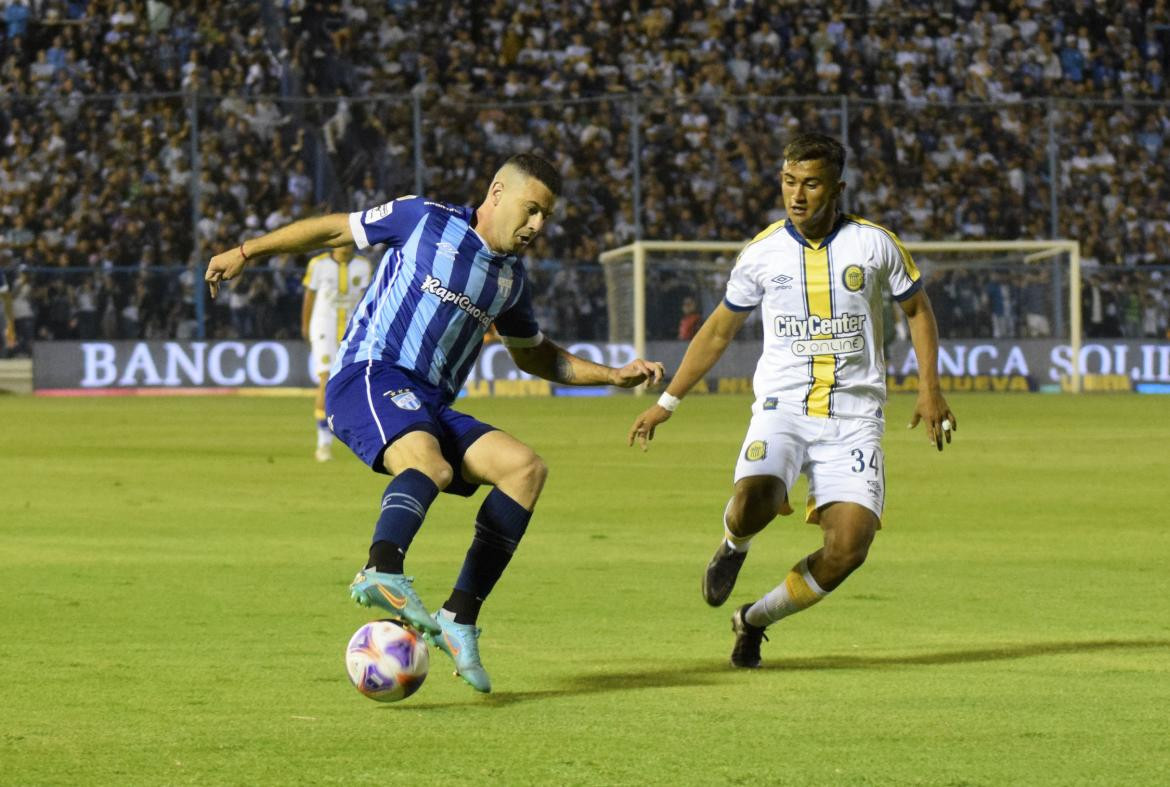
(436, 292)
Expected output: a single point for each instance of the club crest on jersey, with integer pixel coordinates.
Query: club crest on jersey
(504, 284)
(756, 451)
(853, 277)
(785, 282)
(445, 249)
(404, 399)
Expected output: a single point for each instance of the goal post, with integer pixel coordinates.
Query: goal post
(632, 270)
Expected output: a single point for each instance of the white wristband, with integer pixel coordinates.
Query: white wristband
(668, 402)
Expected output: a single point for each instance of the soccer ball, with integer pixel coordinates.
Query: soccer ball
(386, 662)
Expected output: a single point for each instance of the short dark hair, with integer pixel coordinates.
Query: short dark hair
(815, 147)
(534, 166)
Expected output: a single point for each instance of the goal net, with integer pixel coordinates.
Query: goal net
(1016, 297)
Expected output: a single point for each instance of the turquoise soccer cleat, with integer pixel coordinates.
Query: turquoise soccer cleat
(394, 593)
(461, 643)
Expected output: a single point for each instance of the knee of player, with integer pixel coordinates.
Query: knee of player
(852, 550)
(539, 468)
(858, 554)
(439, 472)
(758, 502)
(534, 471)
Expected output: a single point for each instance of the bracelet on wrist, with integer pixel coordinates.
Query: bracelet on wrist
(668, 402)
(243, 253)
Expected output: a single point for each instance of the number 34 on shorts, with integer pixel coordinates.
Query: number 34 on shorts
(860, 464)
(842, 458)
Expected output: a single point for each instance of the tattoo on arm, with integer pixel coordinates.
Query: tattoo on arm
(564, 368)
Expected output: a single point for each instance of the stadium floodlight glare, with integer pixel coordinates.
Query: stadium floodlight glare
(702, 263)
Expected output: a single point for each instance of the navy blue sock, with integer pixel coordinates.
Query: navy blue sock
(404, 505)
(499, 526)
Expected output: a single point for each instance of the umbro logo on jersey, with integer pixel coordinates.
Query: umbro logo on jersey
(446, 249)
(785, 282)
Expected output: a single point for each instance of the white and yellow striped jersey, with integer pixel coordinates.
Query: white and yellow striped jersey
(339, 287)
(822, 314)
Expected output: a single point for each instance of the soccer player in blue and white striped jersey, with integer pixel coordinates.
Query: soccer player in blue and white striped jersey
(451, 271)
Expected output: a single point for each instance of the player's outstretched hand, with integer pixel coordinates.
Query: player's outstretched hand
(940, 421)
(646, 423)
(637, 372)
(223, 267)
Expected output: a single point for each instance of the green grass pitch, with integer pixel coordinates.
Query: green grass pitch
(173, 606)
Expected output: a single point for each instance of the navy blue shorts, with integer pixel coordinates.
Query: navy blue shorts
(369, 406)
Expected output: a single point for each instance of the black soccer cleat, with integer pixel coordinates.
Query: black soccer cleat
(746, 651)
(722, 571)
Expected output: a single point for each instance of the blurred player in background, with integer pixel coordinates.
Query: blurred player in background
(450, 272)
(335, 282)
(9, 345)
(821, 278)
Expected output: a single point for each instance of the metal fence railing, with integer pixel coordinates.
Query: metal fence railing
(165, 179)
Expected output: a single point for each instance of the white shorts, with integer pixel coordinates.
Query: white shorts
(323, 345)
(842, 457)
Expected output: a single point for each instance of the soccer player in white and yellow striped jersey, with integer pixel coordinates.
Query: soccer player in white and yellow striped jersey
(335, 282)
(820, 278)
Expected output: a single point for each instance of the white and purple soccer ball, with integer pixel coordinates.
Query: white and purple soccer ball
(386, 662)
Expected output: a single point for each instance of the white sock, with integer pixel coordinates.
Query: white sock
(733, 541)
(324, 437)
(798, 591)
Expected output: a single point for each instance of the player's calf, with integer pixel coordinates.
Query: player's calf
(499, 525)
(382, 582)
(849, 530)
(799, 591)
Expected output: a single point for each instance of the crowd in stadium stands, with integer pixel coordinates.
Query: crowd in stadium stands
(138, 137)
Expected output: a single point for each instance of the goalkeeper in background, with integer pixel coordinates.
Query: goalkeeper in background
(821, 278)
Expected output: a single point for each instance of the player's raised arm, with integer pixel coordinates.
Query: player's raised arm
(549, 360)
(304, 235)
(931, 406)
(704, 352)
